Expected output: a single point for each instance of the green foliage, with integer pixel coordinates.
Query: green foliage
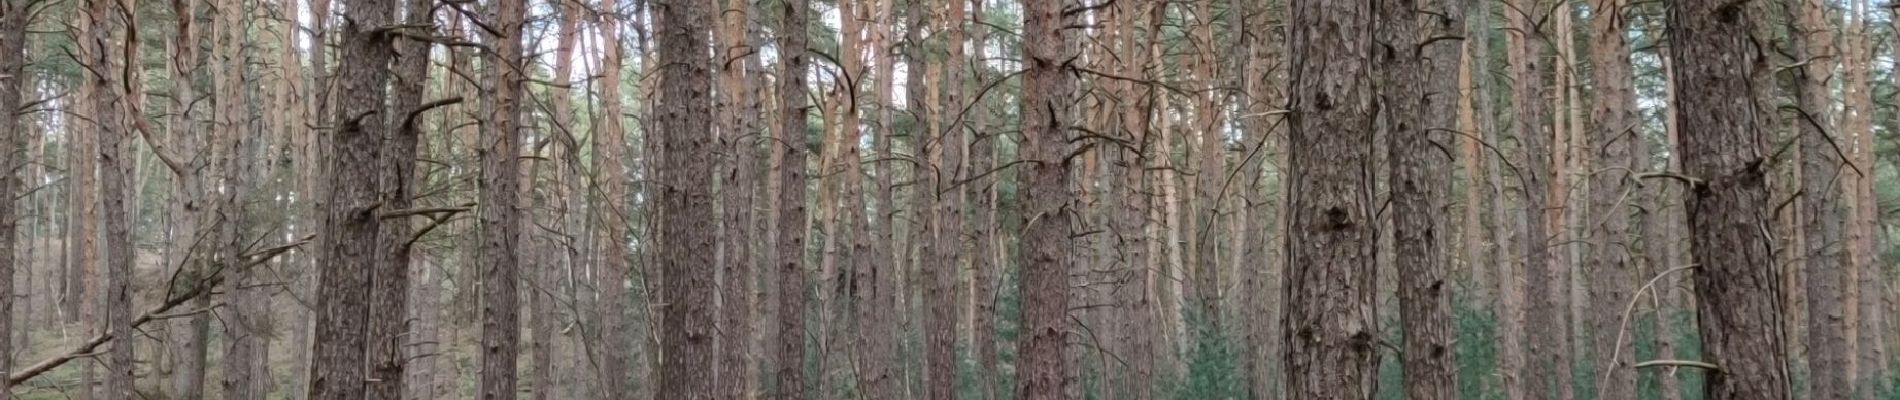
(1473, 353)
(1214, 367)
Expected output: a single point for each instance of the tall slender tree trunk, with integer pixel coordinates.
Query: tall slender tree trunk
(940, 273)
(1211, 174)
(1610, 262)
(1421, 92)
(13, 21)
(313, 187)
(1265, 93)
(1821, 215)
(350, 221)
(1173, 285)
(739, 145)
(82, 215)
(1736, 285)
(108, 68)
(542, 303)
(789, 257)
(1672, 219)
(1134, 225)
(388, 333)
(610, 144)
(686, 260)
(188, 205)
(1330, 330)
(1868, 323)
(1541, 283)
(244, 348)
(1509, 313)
(1048, 203)
(1472, 155)
(500, 218)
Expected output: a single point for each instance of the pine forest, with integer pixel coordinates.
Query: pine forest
(950, 199)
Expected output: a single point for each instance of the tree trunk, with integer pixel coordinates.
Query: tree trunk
(1210, 175)
(611, 247)
(1672, 219)
(735, 287)
(1330, 330)
(1264, 85)
(1420, 95)
(187, 207)
(1048, 203)
(350, 224)
(1866, 272)
(1133, 225)
(940, 272)
(82, 215)
(1546, 336)
(683, 111)
(500, 218)
(1171, 293)
(1611, 263)
(1736, 284)
(789, 256)
(244, 351)
(389, 331)
(13, 21)
(109, 67)
(313, 189)
(1828, 347)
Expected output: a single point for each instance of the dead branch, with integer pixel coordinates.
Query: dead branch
(155, 313)
(1678, 363)
(1623, 327)
(427, 211)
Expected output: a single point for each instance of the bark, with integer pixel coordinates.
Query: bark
(1865, 291)
(82, 240)
(789, 257)
(1330, 332)
(1421, 98)
(388, 333)
(1472, 155)
(1134, 226)
(13, 21)
(985, 261)
(350, 223)
(1048, 204)
(1541, 283)
(244, 353)
(1735, 283)
(1610, 261)
(543, 303)
(1672, 254)
(1261, 77)
(885, 284)
(1821, 214)
(1172, 296)
(1509, 313)
(313, 186)
(1211, 174)
(108, 66)
(686, 259)
(735, 287)
(1565, 208)
(884, 247)
(940, 273)
(610, 142)
(425, 310)
(187, 206)
(499, 216)
(829, 284)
